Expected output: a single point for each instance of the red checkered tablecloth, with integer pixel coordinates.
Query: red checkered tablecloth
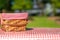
(34, 34)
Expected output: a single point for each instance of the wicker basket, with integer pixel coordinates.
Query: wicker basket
(14, 22)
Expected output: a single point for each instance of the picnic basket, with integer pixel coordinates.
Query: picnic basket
(14, 21)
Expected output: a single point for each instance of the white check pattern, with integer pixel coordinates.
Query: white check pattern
(30, 35)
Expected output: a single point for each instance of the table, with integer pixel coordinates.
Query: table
(32, 34)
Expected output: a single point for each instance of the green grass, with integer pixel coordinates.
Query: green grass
(42, 22)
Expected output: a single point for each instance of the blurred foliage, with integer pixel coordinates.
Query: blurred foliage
(25, 4)
(3, 3)
(22, 4)
(57, 3)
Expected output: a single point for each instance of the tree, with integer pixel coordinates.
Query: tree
(55, 4)
(41, 6)
(4, 5)
(22, 5)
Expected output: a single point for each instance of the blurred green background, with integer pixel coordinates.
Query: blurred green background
(42, 13)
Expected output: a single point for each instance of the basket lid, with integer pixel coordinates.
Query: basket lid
(14, 15)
